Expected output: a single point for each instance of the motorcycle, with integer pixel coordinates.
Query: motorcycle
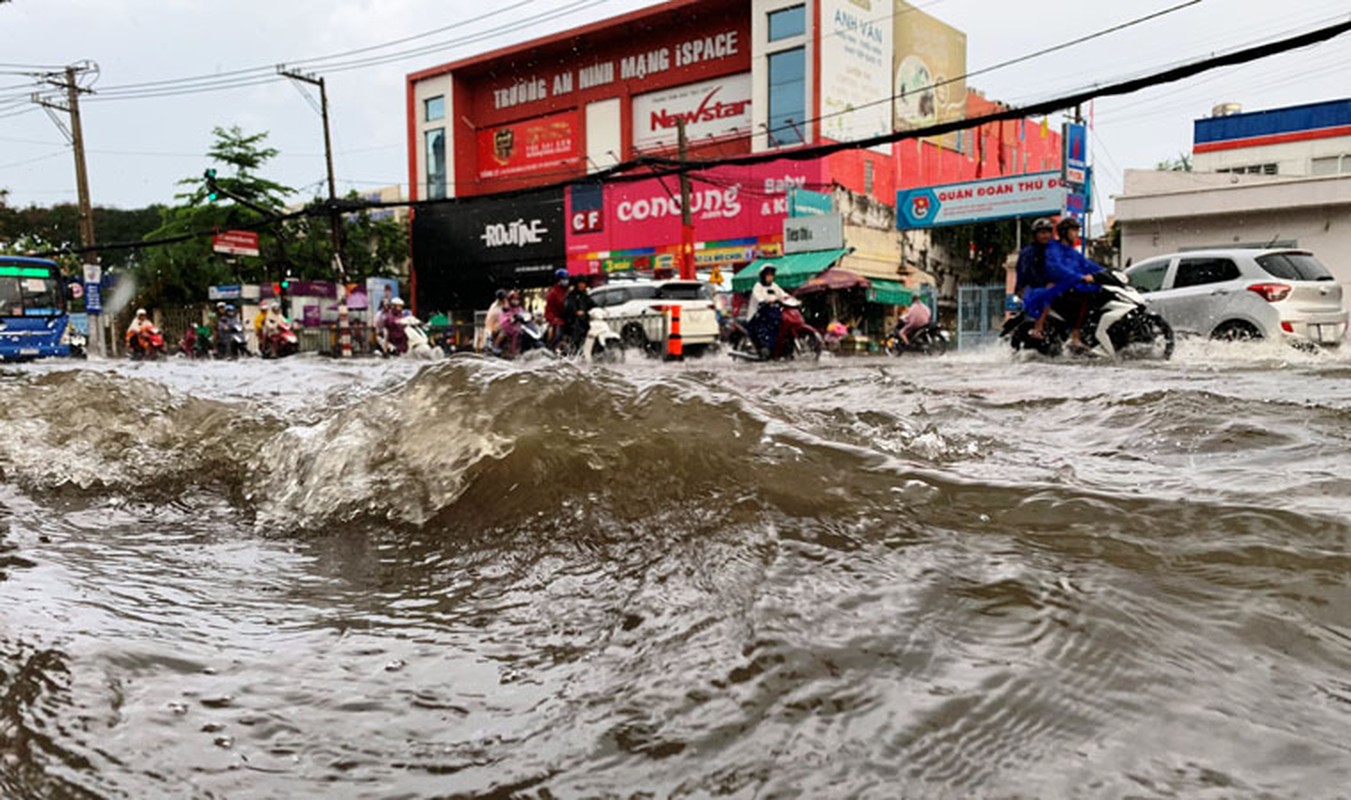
(145, 344)
(796, 339)
(232, 342)
(522, 335)
(282, 341)
(601, 342)
(1118, 323)
(419, 345)
(931, 340)
(196, 342)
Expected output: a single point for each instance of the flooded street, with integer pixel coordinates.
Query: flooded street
(958, 577)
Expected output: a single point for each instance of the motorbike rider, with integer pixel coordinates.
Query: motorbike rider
(555, 313)
(915, 318)
(395, 333)
(576, 310)
(1069, 275)
(225, 325)
(493, 321)
(139, 324)
(765, 312)
(509, 332)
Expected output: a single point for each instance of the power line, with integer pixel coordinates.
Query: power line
(253, 76)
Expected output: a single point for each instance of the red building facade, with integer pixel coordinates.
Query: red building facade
(746, 76)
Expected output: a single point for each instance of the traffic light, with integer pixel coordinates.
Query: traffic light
(212, 192)
(286, 283)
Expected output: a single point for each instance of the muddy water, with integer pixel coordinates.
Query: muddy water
(963, 577)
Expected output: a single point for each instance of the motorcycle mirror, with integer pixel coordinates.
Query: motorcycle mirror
(1128, 262)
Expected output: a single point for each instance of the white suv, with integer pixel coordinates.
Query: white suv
(637, 310)
(1245, 294)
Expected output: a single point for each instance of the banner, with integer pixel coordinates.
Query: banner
(980, 201)
(745, 205)
(535, 145)
(929, 63)
(857, 54)
(712, 110)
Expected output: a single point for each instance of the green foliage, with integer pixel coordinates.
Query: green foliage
(36, 229)
(180, 273)
(1183, 163)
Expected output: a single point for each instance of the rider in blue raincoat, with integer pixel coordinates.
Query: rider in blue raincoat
(1052, 273)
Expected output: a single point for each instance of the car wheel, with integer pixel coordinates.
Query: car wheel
(1236, 331)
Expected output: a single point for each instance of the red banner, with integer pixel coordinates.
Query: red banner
(536, 145)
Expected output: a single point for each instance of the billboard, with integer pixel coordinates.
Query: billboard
(928, 66)
(713, 109)
(980, 201)
(737, 211)
(462, 251)
(536, 145)
(857, 55)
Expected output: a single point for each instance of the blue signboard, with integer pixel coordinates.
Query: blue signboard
(806, 203)
(93, 298)
(1075, 138)
(1029, 195)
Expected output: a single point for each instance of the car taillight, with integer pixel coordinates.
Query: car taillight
(1287, 327)
(1271, 292)
(659, 308)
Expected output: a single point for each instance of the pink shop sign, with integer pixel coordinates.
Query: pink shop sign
(726, 203)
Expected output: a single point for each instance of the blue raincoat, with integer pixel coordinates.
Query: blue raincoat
(1065, 268)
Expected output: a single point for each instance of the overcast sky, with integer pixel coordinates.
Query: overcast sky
(139, 148)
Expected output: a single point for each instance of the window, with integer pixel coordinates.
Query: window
(436, 163)
(434, 108)
(787, 96)
(1294, 267)
(1148, 277)
(1251, 169)
(686, 291)
(1201, 271)
(868, 176)
(788, 22)
(1330, 165)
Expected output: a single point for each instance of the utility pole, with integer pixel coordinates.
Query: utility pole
(334, 216)
(686, 218)
(75, 136)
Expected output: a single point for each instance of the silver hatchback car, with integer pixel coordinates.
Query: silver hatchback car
(1245, 294)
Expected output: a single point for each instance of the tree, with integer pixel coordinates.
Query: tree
(1183, 163)
(181, 272)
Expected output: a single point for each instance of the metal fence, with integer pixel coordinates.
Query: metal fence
(980, 314)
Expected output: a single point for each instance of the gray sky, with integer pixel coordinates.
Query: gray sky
(138, 148)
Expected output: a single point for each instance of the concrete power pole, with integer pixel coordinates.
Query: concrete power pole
(75, 135)
(686, 218)
(334, 216)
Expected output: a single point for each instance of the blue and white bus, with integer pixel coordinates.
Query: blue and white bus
(33, 318)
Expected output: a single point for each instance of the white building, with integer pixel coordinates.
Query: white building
(1272, 178)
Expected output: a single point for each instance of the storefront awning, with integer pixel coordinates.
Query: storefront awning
(793, 270)
(889, 293)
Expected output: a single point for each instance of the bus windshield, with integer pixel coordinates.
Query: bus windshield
(29, 291)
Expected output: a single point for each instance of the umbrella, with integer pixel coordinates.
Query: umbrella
(834, 279)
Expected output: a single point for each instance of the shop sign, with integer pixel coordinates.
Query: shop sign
(536, 145)
(727, 203)
(716, 109)
(630, 65)
(980, 201)
(803, 234)
(806, 203)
